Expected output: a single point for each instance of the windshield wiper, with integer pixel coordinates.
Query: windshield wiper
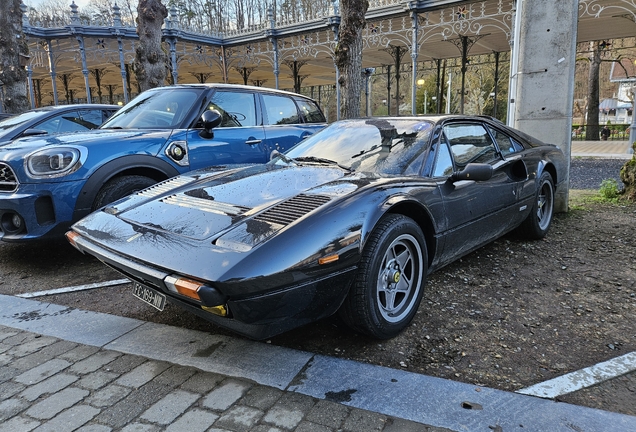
(320, 160)
(286, 159)
(385, 147)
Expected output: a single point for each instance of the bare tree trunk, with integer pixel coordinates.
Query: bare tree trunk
(13, 45)
(628, 176)
(150, 59)
(592, 129)
(349, 55)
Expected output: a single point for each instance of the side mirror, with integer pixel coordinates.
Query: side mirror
(34, 132)
(210, 120)
(473, 171)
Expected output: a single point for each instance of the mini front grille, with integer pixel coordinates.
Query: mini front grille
(8, 181)
(292, 209)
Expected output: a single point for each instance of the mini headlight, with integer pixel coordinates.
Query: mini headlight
(52, 162)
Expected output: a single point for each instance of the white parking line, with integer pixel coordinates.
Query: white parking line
(74, 288)
(583, 378)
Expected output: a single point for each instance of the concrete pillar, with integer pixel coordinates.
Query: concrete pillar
(545, 75)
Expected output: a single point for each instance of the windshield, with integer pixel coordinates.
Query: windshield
(387, 146)
(11, 123)
(163, 108)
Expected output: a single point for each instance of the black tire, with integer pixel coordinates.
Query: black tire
(538, 222)
(377, 304)
(120, 187)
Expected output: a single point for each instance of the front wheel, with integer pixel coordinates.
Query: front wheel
(120, 187)
(389, 285)
(539, 220)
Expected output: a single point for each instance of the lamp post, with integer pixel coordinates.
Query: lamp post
(632, 128)
(425, 101)
(420, 83)
(448, 93)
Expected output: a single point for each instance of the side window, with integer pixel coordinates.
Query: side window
(92, 119)
(64, 122)
(280, 110)
(237, 108)
(444, 162)
(506, 145)
(470, 143)
(310, 111)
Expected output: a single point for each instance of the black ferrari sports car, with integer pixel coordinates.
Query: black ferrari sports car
(350, 220)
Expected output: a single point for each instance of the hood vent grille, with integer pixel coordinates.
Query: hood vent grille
(292, 209)
(163, 187)
(205, 205)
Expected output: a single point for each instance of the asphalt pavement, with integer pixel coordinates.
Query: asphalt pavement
(64, 369)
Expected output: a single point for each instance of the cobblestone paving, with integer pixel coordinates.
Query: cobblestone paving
(47, 384)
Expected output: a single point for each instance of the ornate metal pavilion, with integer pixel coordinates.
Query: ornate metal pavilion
(81, 60)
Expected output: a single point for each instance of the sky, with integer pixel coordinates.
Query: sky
(34, 3)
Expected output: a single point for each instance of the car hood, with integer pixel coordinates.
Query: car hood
(87, 139)
(205, 223)
(211, 204)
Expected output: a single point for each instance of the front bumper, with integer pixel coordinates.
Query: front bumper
(43, 209)
(258, 317)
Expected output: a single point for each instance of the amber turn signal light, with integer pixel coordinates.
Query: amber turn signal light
(71, 236)
(184, 286)
(328, 259)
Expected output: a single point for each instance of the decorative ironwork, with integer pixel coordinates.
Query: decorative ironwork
(224, 51)
(596, 8)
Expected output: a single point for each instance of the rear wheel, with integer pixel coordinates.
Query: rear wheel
(539, 220)
(120, 187)
(389, 286)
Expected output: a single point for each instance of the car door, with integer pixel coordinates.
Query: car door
(286, 123)
(238, 139)
(476, 211)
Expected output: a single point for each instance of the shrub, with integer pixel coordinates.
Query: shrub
(609, 189)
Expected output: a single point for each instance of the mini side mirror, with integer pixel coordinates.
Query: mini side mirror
(473, 171)
(210, 120)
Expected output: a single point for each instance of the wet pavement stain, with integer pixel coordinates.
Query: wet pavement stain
(207, 352)
(38, 314)
(29, 316)
(341, 396)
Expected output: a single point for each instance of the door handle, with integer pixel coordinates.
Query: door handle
(254, 141)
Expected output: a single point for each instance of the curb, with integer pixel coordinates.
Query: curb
(404, 395)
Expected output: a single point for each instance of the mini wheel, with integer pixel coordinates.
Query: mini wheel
(120, 187)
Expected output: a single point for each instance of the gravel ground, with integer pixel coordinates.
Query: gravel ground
(589, 173)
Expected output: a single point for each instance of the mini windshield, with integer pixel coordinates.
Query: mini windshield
(370, 145)
(164, 108)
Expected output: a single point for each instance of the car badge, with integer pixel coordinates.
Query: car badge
(396, 277)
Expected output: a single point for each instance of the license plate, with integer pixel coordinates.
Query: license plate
(149, 295)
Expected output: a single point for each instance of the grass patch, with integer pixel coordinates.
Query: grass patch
(580, 198)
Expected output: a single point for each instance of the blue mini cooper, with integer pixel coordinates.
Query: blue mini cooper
(48, 183)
